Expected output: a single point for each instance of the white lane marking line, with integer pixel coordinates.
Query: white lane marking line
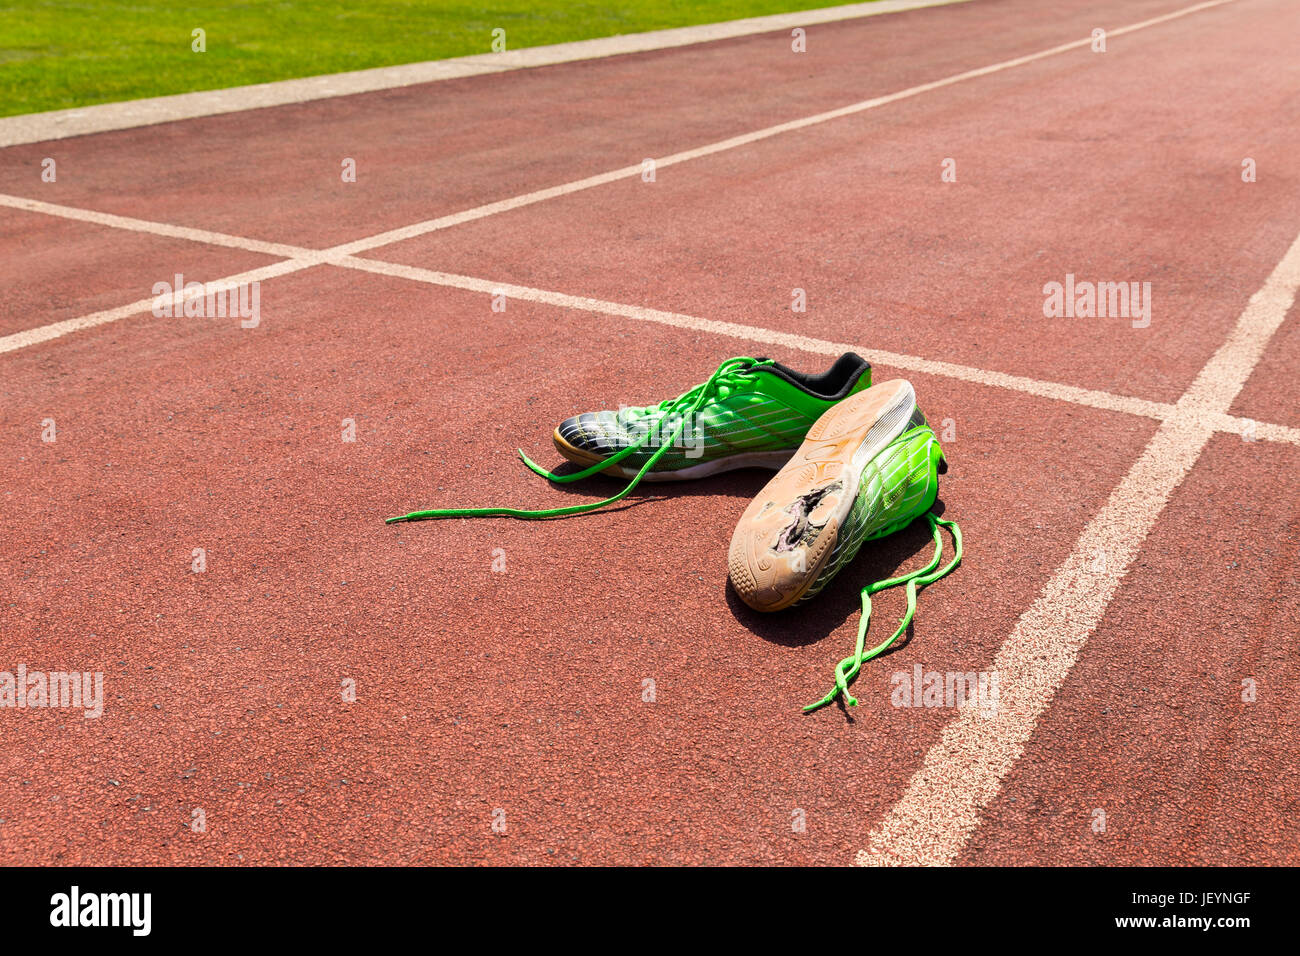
(413, 230)
(963, 771)
(157, 228)
(479, 212)
(734, 142)
(60, 124)
(300, 257)
(1055, 391)
(1265, 431)
(750, 333)
(30, 337)
(303, 257)
(337, 256)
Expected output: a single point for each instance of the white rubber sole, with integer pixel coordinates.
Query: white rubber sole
(771, 460)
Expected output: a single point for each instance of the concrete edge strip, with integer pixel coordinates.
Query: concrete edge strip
(61, 124)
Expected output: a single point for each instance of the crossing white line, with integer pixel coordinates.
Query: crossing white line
(298, 258)
(30, 337)
(157, 228)
(963, 772)
(755, 334)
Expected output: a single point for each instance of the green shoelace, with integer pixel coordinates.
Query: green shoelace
(848, 668)
(685, 406)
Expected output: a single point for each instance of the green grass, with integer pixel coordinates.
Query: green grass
(56, 54)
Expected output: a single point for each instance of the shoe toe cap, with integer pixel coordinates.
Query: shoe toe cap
(588, 432)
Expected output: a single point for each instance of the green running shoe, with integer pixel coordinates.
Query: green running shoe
(758, 415)
(868, 468)
(750, 412)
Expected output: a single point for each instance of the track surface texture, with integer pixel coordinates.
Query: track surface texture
(194, 509)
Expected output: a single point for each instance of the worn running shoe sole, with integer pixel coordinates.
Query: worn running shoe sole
(756, 459)
(787, 533)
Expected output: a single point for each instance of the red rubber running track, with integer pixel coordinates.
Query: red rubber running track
(1153, 719)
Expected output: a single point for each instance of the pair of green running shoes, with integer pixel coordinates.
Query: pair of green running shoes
(855, 461)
